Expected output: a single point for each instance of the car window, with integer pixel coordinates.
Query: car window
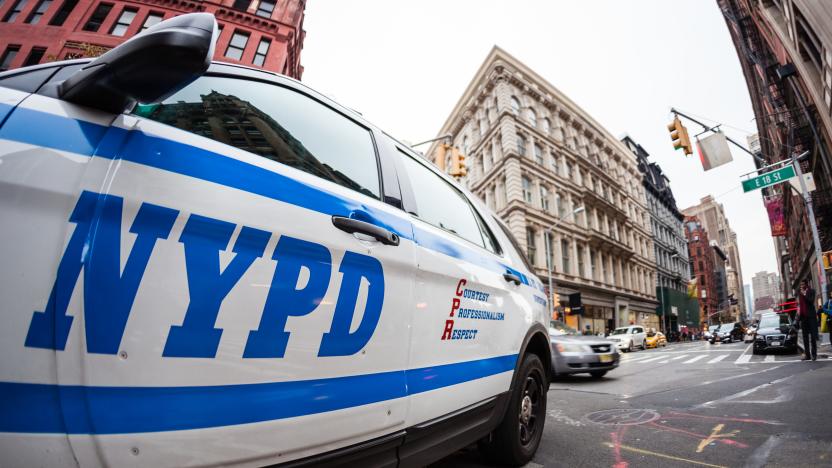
(27, 81)
(440, 204)
(620, 331)
(277, 123)
(638, 330)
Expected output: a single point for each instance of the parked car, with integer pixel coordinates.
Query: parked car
(219, 266)
(775, 332)
(656, 339)
(628, 338)
(573, 353)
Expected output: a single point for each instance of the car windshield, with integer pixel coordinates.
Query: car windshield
(726, 327)
(620, 331)
(773, 321)
(713, 327)
(556, 327)
(651, 333)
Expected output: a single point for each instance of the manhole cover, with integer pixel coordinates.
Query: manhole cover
(622, 417)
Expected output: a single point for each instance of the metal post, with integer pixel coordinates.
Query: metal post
(812, 223)
(549, 268)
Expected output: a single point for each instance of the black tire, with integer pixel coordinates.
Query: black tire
(597, 374)
(644, 345)
(630, 347)
(516, 439)
(754, 350)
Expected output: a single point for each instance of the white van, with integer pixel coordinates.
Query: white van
(205, 264)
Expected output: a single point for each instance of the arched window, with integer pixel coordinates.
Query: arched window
(546, 126)
(532, 118)
(538, 154)
(515, 105)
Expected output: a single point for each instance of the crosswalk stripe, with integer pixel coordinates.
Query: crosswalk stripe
(689, 361)
(743, 359)
(673, 359)
(718, 358)
(653, 359)
(769, 358)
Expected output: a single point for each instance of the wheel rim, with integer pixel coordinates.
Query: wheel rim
(530, 407)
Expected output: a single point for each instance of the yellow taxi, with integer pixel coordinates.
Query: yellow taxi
(655, 339)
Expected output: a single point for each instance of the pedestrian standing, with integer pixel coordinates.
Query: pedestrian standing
(808, 321)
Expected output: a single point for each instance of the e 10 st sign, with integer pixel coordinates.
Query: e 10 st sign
(769, 178)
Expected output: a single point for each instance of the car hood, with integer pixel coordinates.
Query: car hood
(773, 331)
(586, 340)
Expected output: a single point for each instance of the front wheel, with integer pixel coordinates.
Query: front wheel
(644, 344)
(630, 347)
(517, 437)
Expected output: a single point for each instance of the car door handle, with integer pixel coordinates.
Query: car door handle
(352, 226)
(511, 277)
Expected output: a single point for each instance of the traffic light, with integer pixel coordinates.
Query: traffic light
(679, 135)
(827, 260)
(441, 152)
(458, 168)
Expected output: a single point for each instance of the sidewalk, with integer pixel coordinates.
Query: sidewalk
(824, 347)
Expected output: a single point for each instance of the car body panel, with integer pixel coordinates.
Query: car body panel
(582, 354)
(155, 210)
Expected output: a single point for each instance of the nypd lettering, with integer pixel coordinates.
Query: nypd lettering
(95, 249)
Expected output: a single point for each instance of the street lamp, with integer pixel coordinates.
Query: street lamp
(549, 254)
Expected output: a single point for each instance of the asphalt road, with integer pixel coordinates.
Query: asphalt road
(690, 404)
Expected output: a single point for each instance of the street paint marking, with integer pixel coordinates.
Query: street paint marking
(760, 456)
(637, 359)
(739, 375)
(717, 435)
(679, 357)
(769, 358)
(616, 438)
(751, 390)
(557, 415)
(653, 359)
(677, 415)
(661, 455)
(718, 358)
(695, 435)
(744, 359)
(691, 361)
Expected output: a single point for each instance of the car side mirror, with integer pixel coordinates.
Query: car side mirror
(148, 68)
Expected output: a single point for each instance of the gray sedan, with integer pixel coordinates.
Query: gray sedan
(573, 353)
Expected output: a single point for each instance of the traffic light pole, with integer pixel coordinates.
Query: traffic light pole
(706, 128)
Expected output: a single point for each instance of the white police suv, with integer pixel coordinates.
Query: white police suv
(204, 264)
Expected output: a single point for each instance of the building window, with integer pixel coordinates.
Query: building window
(14, 11)
(527, 189)
(532, 118)
(123, 22)
(98, 16)
(564, 249)
(544, 198)
(515, 105)
(265, 8)
(260, 53)
(592, 264)
(521, 145)
(538, 154)
(35, 55)
(63, 12)
(546, 126)
(531, 249)
(37, 13)
(581, 272)
(8, 57)
(241, 5)
(237, 45)
(153, 18)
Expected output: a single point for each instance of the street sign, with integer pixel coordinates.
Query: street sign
(769, 178)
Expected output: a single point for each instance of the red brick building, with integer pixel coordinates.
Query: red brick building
(702, 268)
(260, 33)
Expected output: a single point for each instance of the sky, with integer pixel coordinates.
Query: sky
(405, 64)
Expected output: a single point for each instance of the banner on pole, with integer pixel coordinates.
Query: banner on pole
(714, 151)
(776, 218)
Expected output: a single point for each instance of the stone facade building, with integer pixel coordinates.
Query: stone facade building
(785, 50)
(257, 33)
(712, 216)
(765, 285)
(669, 245)
(535, 158)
